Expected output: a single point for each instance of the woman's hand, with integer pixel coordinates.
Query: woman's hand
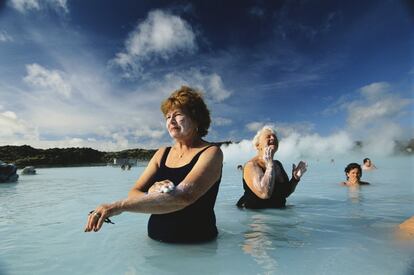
(268, 156)
(165, 186)
(98, 216)
(298, 171)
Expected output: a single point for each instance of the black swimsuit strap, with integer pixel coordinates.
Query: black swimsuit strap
(195, 158)
(199, 153)
(164, 156)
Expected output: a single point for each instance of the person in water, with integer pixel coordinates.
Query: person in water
(265, 182)
(368, 165)
(180, 184)
(405, 230)
(353, 173)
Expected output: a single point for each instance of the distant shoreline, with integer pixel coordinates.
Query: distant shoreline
(83, 165)
(26, 155)
(69, 165)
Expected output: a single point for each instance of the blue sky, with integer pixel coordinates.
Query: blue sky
(93, 73)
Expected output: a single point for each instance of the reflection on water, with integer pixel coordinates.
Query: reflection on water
(165, 258)
(354, 193)
(269, 233)
(258, 243)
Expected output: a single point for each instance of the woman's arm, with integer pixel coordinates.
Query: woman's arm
(297, 173)
(292, 185)
(284, 186)
(261, 183)
(204, 174)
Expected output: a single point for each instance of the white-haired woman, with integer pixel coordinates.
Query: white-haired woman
(265, 182)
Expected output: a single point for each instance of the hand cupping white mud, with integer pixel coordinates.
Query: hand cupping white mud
(165, 186)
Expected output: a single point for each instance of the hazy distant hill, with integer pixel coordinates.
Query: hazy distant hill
(26, 155)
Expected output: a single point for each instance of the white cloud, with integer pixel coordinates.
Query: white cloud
(5, 37)
(215, 86)
(160, 35)
(29, 5)
(255, 126)
(375, 90)
(221, 121)
(146, 131)
(210, 84)
(24, 5)
(121, 140)
(53, 80)
(376, 105)
(282, 129)
(11, 127)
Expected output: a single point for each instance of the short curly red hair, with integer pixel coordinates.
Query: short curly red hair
(190, 101)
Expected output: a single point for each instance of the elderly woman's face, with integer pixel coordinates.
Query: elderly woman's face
(179, 124)
(268, 139)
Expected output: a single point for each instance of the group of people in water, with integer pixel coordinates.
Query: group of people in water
(180, 184)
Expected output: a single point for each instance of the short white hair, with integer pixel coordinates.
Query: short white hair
(257, 136)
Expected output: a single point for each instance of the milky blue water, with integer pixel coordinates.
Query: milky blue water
(326, 228)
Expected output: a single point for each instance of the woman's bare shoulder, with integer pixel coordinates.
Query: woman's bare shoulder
(213, 150)
(251, 163)
(160, 151)
(156, 158)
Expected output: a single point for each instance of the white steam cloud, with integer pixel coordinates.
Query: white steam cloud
(371, 119)
(295, 146)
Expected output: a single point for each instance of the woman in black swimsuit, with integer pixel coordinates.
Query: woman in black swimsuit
(180, 184)
(265, 182)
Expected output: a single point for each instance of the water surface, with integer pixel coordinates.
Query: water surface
(325, 229)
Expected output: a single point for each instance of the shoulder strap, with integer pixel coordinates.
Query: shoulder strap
(164, 156)
(195, 158)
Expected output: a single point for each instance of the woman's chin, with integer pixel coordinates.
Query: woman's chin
(177, 135)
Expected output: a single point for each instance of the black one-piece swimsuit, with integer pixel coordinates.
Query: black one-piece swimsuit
(194, 223)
